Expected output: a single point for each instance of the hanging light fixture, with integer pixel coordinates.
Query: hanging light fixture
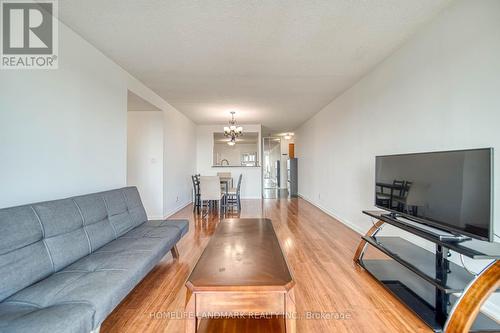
(233, 130)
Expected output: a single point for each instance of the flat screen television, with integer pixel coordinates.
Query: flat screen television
(449, 190)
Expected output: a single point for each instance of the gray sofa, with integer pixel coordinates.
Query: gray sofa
(66, 264)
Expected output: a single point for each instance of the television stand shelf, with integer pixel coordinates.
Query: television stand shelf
(427, 282)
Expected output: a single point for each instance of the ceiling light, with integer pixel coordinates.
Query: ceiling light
(232, 131)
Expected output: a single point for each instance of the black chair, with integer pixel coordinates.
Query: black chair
(400, 199)
(233, 195)
(386, 193)
(196, 191)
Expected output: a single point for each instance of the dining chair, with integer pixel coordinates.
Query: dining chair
(196, 192)
(401, 200)
(233, 195)
(385, 198)
(398, 194)
(210, 191)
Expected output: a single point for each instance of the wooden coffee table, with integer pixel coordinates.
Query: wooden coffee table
(241, 273)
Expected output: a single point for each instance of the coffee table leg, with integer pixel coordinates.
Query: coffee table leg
(190, 312)
(290, 312)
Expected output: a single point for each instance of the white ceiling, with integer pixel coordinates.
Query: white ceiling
(275, 62)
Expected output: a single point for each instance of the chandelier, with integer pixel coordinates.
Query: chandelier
(232, 131)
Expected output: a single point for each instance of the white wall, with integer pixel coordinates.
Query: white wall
(251, 184)
(64, 132)
(440, 91)
(145, 158)
(179, 160)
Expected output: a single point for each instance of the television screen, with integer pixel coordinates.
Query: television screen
(449, 190)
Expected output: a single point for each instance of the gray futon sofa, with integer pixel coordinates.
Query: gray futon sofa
(66, 264)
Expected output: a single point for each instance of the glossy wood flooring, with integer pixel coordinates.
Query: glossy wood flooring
(332, 294)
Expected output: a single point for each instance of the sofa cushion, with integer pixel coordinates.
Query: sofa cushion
(118, 212)
(24, 259)
(19, 227)
(135, 206)
(138, 244)
(150, 231)
(95, 219)
(63, 231)
(65, 317)
(145, 238)
(105, 261)
(101, 289)
(181, 224)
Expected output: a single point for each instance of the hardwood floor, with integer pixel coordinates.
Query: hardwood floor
(332, 294)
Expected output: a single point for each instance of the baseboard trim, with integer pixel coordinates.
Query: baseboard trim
(172, 212)
(333, 215)
(177, 209)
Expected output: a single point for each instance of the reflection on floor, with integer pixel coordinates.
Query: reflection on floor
(275, 193)
(271, 190)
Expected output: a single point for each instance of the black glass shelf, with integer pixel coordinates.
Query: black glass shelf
(473, 248)
(422, 263)
(415, 292)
